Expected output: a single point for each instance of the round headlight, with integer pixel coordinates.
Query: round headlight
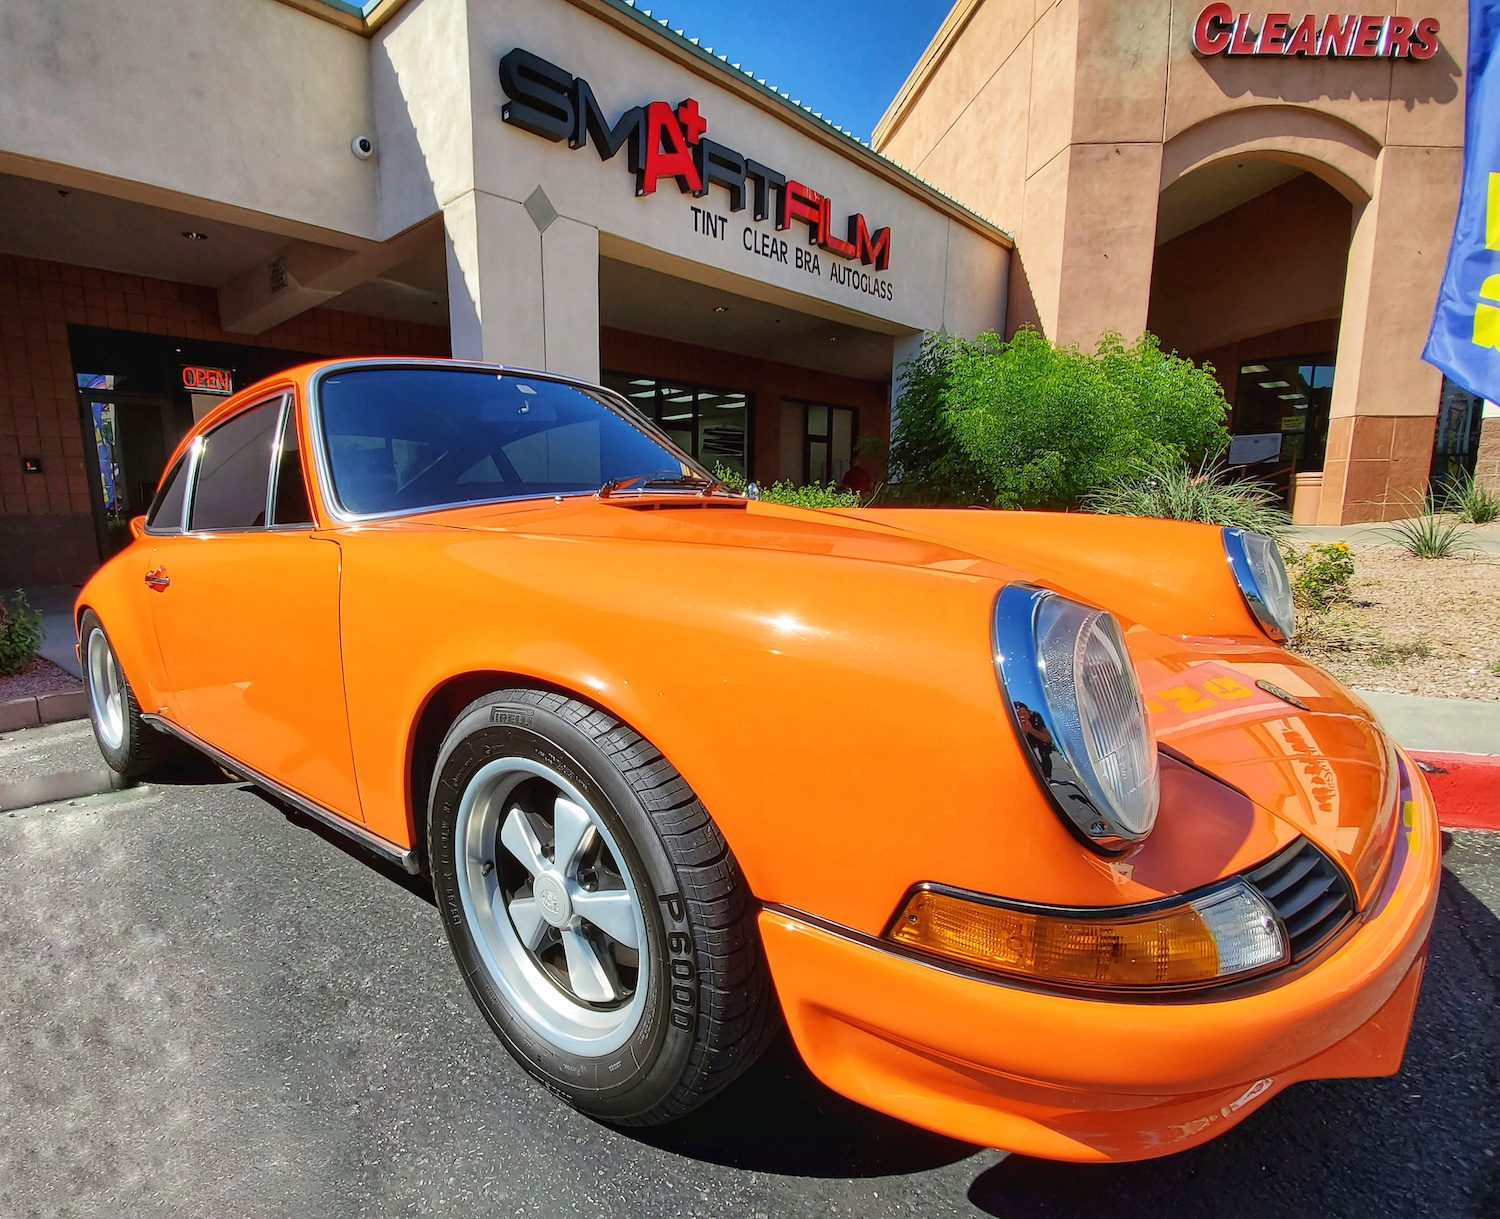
(1258, 569)
(1078, 709)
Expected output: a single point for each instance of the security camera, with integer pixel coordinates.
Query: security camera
(363, 147)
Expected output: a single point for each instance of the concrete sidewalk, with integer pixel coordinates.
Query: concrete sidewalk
(1478, 539)
(1438, 725)
(55, 604)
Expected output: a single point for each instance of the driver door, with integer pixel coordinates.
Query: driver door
(246, 609)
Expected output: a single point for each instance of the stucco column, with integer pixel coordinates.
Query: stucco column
(523, 284)
(1087, 243)
(1385, 398)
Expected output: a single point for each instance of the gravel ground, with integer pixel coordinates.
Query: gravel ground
(1416, 626)
(39, 677)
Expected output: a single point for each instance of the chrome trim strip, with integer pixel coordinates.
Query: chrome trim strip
(404, 856)
(1249, 586)
(322, 463)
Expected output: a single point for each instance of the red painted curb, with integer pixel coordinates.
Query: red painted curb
(1466, 788)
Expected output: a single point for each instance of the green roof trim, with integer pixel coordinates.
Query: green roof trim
(721, 63)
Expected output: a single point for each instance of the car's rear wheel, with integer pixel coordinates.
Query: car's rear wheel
(130, 745)
(599, 918)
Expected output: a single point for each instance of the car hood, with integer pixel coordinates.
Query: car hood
(1306, 751)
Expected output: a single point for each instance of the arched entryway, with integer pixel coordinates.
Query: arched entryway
(1249, 275)
(1293, 247)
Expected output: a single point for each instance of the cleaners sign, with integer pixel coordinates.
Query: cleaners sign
(663, 141)
(1219, 30)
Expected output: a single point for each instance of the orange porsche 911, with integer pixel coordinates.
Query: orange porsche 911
(1027, 826)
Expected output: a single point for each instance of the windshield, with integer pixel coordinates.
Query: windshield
(402, 439)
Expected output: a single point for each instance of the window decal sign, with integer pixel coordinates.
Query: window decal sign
(200, 379)
(662, 141)
(1220, 30)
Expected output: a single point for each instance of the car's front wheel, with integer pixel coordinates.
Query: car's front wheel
(599, 918)
(130, 745)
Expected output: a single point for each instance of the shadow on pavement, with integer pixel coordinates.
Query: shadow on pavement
(777, 1118)
(1424, 1142)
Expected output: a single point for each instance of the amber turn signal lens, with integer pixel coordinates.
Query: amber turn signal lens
(1225, 931)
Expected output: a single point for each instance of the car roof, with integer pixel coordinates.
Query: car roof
(301, 375)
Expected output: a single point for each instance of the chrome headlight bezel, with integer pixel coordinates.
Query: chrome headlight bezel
(1050, 726)
(1260, 572)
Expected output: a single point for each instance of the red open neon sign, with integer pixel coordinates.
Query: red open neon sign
(200, 379)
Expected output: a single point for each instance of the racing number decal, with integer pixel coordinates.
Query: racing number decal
(1203, 696)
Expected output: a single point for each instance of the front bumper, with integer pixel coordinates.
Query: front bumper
(1094, 1080)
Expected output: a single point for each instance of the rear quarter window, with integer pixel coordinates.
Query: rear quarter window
(165, 515)
(234, 472)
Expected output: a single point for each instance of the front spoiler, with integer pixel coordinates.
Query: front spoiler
(1096, 1080)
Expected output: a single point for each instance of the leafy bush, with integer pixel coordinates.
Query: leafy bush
(1030, 424)
(1430, 536)
(1175, 491)
(1471, 501)
(1320, 575)
(20, 635)
(813, 495)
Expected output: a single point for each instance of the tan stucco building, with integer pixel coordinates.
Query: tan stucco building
(1285, 216)
(188, 207)
(196, 193)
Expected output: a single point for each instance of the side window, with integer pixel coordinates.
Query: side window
(290, 506)
(234, 471)
(166, 510)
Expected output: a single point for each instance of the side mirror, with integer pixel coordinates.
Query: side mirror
(137, 526)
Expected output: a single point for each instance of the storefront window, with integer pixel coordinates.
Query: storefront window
(828, 444)
(1455, 446)
(711, 424)
(1281, 412)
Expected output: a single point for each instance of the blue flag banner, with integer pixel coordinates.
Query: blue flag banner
(1465, 338)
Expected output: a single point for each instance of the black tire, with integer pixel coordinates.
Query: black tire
(142, 749)
(709, 1008)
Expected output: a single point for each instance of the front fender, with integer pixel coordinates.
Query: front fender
(1170, 576)
(841, 720)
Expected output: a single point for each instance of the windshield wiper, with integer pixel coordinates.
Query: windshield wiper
(661, 478)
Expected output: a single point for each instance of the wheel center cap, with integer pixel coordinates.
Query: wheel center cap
(552, 899)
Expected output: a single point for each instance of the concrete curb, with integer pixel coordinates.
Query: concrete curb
(35, 709)
(1466, 788)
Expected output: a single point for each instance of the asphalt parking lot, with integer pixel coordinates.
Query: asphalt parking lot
(212, 1009)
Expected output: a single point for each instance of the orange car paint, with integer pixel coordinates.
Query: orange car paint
(824, 682)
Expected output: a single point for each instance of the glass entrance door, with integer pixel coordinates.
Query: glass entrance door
(127, 438)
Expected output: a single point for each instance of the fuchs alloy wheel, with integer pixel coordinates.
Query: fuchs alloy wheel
(601, 922)
(130, 745)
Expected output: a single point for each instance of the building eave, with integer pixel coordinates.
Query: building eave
(639, 24)
(953, 25)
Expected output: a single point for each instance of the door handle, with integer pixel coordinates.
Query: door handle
(158, 579)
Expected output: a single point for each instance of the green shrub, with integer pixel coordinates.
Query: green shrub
(1174, 491)
(1027, 423)
(1471, 501)
(1320, 574)
(20, 634)
(1429, 536)
(813, 495)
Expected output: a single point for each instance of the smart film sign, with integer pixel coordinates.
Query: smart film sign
(1219, 30)
(665, 142)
